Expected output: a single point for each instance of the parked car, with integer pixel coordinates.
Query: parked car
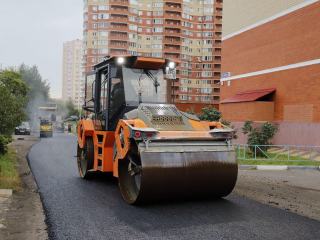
(74, 118)
(23, 129)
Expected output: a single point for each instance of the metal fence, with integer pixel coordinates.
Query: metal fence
(277, 152)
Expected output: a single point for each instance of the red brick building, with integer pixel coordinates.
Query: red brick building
(185, 30)
(272, 68)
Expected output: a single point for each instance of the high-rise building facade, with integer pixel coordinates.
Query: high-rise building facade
(271, 67)
(71, 74)
(188, 31)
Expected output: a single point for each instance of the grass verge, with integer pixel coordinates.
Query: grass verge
(9, 177)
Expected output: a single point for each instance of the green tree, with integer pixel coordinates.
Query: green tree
(71, 109)
(13, 102)
(39, 87)
(209, 114)
(261, 135)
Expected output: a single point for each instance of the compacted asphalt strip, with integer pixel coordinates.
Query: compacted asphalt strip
(94, 209)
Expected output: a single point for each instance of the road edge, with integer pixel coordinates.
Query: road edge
(277, 167)
(25, 215)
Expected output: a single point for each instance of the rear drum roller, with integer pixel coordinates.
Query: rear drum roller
(177, 175)
(85, 158)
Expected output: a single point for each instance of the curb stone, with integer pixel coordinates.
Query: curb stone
(271, 167)
(276, 167)
(6, 192)
(247, 167)
(303, 168)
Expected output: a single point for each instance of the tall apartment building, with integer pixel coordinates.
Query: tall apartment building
(271, 64)
(189, 31)
(71, 74)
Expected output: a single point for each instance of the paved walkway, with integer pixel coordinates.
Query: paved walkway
(293, 151)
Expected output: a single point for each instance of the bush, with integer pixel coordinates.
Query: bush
(209, 114)
(4, 141)
(191, 111)
(259, 135)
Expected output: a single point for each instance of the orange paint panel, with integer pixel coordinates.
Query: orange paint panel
(139, 123)
(103, 151)
(150, 63)
(88, 130)
(198, 126)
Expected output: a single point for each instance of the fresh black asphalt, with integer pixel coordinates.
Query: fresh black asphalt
(94, 209)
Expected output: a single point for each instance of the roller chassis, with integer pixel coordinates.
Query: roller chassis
(155, 151)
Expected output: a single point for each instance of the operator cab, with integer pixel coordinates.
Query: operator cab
(120, 83)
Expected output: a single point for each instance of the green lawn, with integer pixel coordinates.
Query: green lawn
(9, 177)
(280, 160)
(72, 122)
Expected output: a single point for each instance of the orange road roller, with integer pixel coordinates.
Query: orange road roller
(155, 150)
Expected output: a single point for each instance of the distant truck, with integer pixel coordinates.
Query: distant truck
(47, 118)
(46, 129)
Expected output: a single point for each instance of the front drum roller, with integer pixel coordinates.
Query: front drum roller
(85, 158)
(177, 175)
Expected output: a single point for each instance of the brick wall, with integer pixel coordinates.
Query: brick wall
(290, 39)
(196, 107)
(298, 113)
(254, 111)
(298, 86)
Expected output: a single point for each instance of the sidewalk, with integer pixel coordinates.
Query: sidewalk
(22, 215)
(294, 152)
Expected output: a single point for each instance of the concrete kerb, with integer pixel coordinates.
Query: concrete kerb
(276, 167)
(303, 168)
(247, 167)
(6, 192)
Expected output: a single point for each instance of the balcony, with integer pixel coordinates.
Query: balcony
(217, 44)
(173, 8)
(173, 25)
(218, 11)
(171, 49)
(118, 44)
(119, 10)
(119, 27)
(115, 35)
(216, 61)
(218, 19)
(116, 19)
(173, 41)
(119, 3)
(172, 32)
(118, 51)
(172, 15)
(174, 56)
(219, 3)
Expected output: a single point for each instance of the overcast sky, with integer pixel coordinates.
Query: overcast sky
(33, 32)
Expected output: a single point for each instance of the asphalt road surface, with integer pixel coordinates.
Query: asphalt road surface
(94, 209)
